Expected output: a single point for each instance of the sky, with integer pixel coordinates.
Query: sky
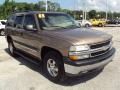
(112, 5)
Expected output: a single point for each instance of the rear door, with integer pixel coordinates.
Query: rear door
(17, 31)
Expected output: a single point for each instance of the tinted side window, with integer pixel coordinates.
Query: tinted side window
(10, 20)
(18, 21)
(30, 20)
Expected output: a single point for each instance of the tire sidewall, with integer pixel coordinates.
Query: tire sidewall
(87, 25)
(2, 33)
(11, 43)
(57, 58)
(100, 25)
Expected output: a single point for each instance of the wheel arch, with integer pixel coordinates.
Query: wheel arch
(87, 24)
(46, 49)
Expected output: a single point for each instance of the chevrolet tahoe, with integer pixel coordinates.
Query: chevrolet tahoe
(58, 42)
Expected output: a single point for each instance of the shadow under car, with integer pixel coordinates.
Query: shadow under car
(69, 81)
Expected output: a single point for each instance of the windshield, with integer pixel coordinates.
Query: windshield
(3, 22)
(52, 21)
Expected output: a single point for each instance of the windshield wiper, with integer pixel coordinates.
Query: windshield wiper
(73, 26)
(59, 27)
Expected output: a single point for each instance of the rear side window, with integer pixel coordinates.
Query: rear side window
(10, 20)
(18, 21)
(30, 20)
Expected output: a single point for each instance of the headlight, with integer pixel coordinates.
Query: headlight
(79, 52)
(79, 48)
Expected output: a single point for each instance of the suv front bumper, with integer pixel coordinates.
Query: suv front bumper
(74, 68)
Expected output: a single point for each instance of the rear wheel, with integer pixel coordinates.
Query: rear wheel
(53, 66)
(100, 25)
(2, 33)
(11, 48)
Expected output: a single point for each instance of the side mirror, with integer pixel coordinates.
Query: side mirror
(30, 27)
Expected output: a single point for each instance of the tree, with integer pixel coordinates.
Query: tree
(40, 6)
(53, 6)
(10, 6)
(92, 14)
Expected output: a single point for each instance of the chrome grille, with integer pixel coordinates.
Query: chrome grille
(100, 45)
(100, 48)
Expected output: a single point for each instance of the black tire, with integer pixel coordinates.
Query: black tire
(2, 33)
(59, 64)
(11, 48)
(87, 25)
(100, 25)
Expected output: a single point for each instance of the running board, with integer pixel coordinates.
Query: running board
(30, 59)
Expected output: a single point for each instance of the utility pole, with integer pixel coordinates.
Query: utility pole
(84, 11)
(12, 6)
(74, 9)
(46, 7)
(85, 14)
(106, 10)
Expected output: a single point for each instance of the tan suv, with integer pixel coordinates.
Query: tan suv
(58, 42)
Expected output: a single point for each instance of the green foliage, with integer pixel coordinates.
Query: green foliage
(92, 14)
(10, 6)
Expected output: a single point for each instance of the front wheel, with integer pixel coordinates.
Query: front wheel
(87, 25)
(53, 66)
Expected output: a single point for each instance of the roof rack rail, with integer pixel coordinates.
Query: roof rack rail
(17, 11)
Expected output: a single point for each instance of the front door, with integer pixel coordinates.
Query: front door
(30, 35)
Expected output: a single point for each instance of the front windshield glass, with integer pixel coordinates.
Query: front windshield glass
(52, 21)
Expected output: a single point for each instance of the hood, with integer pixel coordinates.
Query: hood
(81, 36)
